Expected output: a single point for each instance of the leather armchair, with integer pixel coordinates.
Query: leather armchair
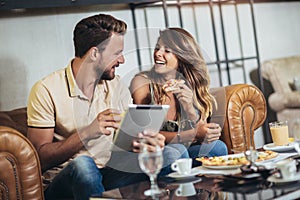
(241, 107)
(284, 100)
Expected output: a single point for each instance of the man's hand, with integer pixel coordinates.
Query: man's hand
(109, 118)
(151, 139)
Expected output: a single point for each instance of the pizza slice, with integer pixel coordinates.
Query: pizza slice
(266, 155)
(223, 161)
(171, 85)
(235, 159)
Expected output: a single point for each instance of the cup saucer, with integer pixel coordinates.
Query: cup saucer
(176, 175)
(275, 179)
(273, 147)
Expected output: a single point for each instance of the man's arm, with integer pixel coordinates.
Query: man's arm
(53, 153)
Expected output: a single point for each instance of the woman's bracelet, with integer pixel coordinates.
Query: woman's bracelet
(178, 136)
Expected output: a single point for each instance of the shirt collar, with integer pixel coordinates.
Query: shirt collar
(73, 88)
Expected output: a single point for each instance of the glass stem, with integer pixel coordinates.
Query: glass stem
(153, 182)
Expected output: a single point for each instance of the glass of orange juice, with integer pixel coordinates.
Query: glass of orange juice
(279, 132)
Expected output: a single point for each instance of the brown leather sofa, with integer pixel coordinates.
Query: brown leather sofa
(242, 105)
(20, 171)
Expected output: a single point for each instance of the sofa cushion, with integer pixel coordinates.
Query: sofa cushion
(16, 119)
(295, 85)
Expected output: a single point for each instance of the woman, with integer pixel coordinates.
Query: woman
(178, 60)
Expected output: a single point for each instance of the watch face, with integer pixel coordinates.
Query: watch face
(171, 126)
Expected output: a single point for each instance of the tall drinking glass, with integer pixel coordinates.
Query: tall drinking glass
(151, 162)
(279, 132)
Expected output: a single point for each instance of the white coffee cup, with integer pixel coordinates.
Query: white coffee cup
(287, 168)
(185, 189)
(183, 166)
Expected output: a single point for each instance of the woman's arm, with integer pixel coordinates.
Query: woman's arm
(179, 137)
(140, 92)
(139, 88)
(185, 96)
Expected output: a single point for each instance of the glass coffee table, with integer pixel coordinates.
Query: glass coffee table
(212, 186)
(205, 187)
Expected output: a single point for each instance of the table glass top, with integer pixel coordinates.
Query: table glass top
(254, 185)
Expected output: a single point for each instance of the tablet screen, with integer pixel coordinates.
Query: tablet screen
(138, 118)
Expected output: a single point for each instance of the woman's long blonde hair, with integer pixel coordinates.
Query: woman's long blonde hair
(191, 67)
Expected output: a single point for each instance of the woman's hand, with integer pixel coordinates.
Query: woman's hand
(151, 139)
(208, 132)
(185, 97)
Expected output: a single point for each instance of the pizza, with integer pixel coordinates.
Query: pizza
(266, 155)
(223, 161)
(235, 159)
(171, 85)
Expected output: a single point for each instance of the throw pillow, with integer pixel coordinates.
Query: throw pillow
(295, 85)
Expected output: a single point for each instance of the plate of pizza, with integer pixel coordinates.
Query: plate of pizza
(233, 161)
(266, 155)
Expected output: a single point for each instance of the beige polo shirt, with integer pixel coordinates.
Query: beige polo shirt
(57, 102)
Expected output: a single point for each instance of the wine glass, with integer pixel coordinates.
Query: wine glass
(151, 162)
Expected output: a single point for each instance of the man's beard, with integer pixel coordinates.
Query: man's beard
(105, 75)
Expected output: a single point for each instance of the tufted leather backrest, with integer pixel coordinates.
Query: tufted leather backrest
(20, 171)
(246, 110)
(16, 119)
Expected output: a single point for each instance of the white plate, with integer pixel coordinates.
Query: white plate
(272, 147)
(227, 167)
(194, 172)
(222, 167)
(274, 179)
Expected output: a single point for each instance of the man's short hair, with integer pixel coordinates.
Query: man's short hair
(95, 30)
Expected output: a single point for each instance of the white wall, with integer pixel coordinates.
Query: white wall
(33, 45)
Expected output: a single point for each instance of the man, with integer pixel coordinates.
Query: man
(73, 112)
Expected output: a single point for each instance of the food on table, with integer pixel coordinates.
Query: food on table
(266, 155)
(171, 85)
(235, 160)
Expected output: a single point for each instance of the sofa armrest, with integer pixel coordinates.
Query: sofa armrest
(245, 111)
(280, 101)
(22, 178)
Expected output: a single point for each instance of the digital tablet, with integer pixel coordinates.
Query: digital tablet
(138, 118)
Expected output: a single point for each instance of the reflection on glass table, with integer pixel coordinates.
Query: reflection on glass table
(208, 187)
(261, 184)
